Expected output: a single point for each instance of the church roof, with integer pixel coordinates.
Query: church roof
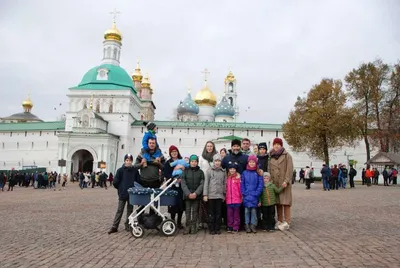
(383, 158)
(188, 106)
(215, 125)
(106, 77)
(25, 116)
(32, 126)
(224, 108)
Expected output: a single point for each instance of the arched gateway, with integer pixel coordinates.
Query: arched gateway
(82, 160)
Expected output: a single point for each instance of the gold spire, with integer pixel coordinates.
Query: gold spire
(113, 34)
(146, 81)
(230, 77)
(137, 75)
(27, 104)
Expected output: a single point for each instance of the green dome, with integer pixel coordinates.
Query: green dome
(113, 77)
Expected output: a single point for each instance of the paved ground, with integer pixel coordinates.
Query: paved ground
(346, 228)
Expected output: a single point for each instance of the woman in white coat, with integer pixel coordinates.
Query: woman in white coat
(205, 162)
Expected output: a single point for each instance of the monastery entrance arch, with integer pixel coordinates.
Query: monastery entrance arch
(82, 160)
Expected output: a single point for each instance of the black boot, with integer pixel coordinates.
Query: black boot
(113, 230)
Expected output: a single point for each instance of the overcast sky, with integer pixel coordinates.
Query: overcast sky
(276, 49)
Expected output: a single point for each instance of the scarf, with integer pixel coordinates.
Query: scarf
(277, 154)
(251, 168)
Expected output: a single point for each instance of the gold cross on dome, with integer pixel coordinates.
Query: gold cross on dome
(205, 73)
(115, 13)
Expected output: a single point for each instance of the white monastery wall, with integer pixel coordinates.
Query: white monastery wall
(34, 148)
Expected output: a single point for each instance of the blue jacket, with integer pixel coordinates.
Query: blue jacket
(240, 159)
(124, 179)
(251, 187)
(325, 172)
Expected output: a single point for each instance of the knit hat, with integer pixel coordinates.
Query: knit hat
(262, 145)
(217, 157)
(236, 142)
(266, 174)
(194, 157)
(128, 156)
(278, 141)
(150, 125)
(252, 157)
(232, 165)
(174, 148)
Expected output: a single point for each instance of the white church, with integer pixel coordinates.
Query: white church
(104, 121)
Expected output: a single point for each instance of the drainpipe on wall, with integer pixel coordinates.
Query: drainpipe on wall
(116, 159)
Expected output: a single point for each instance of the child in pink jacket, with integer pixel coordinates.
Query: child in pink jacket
(233, 198)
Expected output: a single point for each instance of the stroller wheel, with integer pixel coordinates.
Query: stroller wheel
(168, 227)
(137, 231)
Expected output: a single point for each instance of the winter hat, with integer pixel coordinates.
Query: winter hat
(266, 174)
(174, 148)
(236, 142)
(262, 145)
(252, 157)
(194, 157)
(128, 156)
(217, 157)
(255, 159)
(232, 165)
(150, 125)
(278, 141)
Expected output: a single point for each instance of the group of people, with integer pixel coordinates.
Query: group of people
(371, 176)
(93, 179)
(38, 180)
(237, 187)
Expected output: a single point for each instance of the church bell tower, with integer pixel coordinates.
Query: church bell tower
(231, 93)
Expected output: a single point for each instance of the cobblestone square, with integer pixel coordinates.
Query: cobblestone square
(346, 228)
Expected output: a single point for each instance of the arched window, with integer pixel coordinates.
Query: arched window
(98, 107)
(108, 52)
(230, 101)
(110, 108)
(230, 87)
(115, 54)
(104, 53)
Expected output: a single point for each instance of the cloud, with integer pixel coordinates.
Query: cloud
(277, 50)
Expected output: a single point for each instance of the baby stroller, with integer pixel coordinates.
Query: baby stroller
(153, 199)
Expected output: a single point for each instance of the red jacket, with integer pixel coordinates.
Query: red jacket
(233, 193)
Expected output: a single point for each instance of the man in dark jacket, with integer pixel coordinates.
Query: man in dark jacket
(334, 183)
(236, 156)
(150, 175)
(124, 179)
(352, 174)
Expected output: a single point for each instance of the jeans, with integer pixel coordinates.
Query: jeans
(233, 217)
(344, 181)
(250, 216)
(325, 183)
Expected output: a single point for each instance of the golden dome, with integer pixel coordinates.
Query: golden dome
(113, 34)
(205, 97)
(230, 77)
(27, 104)
(146, 81)
(137, 75)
